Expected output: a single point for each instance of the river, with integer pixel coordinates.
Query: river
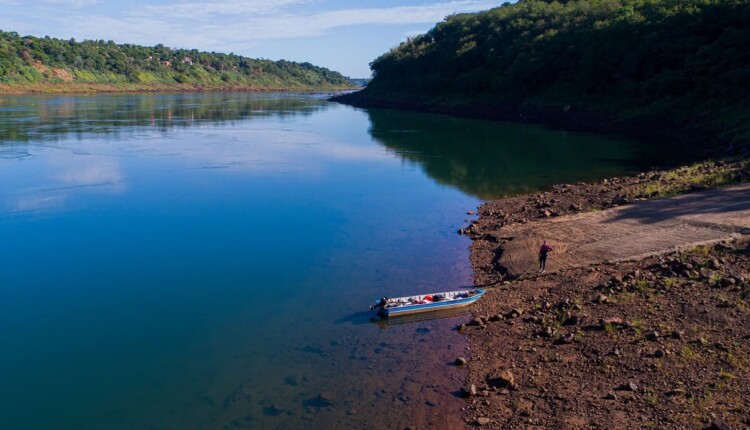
(206, 261)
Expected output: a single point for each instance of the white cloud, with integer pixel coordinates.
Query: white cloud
(75, 3)
(237, 23)
(201, 10)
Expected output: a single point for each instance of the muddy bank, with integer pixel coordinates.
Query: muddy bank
(659, 342)
(662, 130)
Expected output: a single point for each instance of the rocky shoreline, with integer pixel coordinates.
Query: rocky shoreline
(663, 342)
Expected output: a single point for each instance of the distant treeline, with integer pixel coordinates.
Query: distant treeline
(687, 61)
(28, 60)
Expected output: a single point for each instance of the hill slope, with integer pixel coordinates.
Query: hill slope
(685, 62)
(41, 63)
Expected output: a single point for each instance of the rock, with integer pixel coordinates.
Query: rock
(706, 274)
(476, 322)
(630, 386)
(469, 391)
(718, 424)
(568, 338)
(546, 213)
(575, 207)
(505, 380)
(482, 421)
(653, 336)
(470, 212)
(659, 353)
(496, 318)
(721, 347)
(548, 332)
(515, 313)
(676, 392)
(678, 334)
(326, 398)
(460, 361)
(713, 264)
(611, 396)
(611, 321)
(601, 298)
(430, 403)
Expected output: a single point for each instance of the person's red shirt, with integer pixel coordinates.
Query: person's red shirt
(545, 249)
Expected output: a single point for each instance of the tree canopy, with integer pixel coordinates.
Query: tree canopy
(29, 59)
(689, 59)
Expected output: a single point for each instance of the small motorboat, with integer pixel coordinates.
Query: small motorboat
(426, 303)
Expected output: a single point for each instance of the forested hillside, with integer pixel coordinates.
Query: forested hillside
(687, 61)
(32, 61)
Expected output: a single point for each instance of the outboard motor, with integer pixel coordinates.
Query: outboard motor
(381, 304)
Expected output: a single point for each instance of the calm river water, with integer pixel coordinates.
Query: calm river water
(206, 261)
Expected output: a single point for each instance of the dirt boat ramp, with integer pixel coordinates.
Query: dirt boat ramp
(628, 232)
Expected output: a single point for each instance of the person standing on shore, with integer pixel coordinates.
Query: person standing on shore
(543, 251)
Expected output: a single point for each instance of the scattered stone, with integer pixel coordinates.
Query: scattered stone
(611, 396)
(601, 298)
(659, 353)
(678, 334)
(676, 392)
(496, 318)
(630, 386)
(430, 403)
(548, 332)
(653, 336)
(460, 361)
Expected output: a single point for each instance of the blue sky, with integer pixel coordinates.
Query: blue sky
(338, 34)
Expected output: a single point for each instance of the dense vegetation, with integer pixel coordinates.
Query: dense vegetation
(684, 61)
(30, 60)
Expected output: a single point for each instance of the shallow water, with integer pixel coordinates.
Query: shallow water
(206, 260)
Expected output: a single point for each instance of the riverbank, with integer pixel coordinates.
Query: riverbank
(659, 341)
(92, 88)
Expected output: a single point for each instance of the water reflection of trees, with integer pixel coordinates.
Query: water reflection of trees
(490, 159)
(25, 118)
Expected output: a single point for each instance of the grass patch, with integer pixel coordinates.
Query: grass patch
(699, 175)
(723, 374)
(687, 353)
